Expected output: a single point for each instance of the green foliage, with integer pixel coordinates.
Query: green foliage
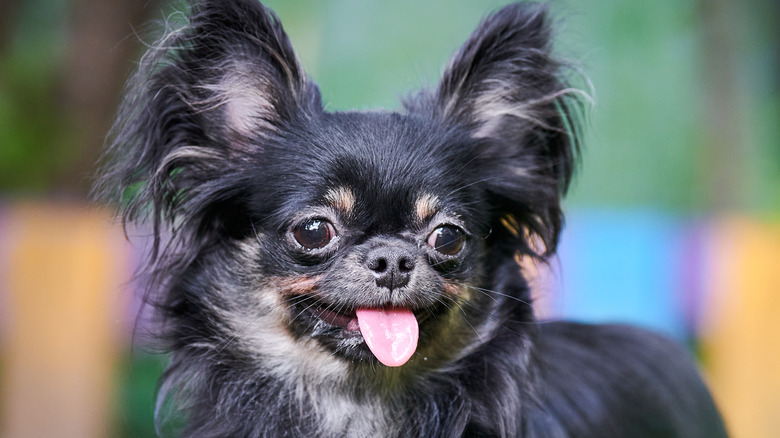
(30, 126)
(137, 387)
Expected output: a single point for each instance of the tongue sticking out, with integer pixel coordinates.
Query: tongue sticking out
(391, 334)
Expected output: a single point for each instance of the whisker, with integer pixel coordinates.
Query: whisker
(254, 230)
(474, 329)
(240, 331)
(488, 292)
(465, 186)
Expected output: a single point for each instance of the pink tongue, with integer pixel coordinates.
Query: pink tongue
(391, 334)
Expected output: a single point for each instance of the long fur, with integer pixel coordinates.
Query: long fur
(223, 145)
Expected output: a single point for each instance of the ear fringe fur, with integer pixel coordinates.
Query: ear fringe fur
(508, 88)
(199, 104)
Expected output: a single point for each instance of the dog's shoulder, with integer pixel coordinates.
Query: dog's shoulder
(618, 380)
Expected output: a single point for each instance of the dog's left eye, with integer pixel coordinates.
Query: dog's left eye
(447, 239)
(314, 233)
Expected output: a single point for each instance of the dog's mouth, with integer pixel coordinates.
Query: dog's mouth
(389, 334)
(346, 320)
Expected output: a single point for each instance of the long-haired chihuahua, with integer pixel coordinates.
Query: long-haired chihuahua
(357, 274)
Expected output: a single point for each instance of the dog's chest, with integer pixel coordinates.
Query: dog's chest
(342, 416)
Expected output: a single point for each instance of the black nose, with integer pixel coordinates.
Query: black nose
(392, 266)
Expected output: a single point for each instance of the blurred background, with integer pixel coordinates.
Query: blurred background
(673, 221)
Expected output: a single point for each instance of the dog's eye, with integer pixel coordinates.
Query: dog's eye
(447, 239)
(314, 233)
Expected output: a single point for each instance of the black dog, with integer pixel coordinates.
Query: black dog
(357, 274)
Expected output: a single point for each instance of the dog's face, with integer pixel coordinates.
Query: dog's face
(377, 213)
(302, 237)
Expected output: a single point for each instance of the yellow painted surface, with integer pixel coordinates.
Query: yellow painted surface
(742, 333)
(62, 281)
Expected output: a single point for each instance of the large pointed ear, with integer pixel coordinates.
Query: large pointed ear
(505, 89)
(206, 96)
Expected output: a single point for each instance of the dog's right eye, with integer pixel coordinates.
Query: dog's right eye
(314, 234)
(447, 239)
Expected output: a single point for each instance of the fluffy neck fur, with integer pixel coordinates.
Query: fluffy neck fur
(483, 393)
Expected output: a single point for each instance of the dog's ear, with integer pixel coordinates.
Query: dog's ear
(234, 57)
(206, 96)
(505, 87)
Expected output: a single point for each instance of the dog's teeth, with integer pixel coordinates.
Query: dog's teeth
(391, 334)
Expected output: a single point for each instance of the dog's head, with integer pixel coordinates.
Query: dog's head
(291, 236)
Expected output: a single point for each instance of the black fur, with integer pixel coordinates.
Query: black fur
(223, 144)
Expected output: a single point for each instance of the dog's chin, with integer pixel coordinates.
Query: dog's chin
(336, 328)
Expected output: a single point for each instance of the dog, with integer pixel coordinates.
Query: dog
(357, 274)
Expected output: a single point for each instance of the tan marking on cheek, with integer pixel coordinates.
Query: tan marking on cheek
(456, 290)
(300, 285)
(341, 198)
(426, 206)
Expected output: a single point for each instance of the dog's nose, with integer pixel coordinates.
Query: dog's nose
(392, 266)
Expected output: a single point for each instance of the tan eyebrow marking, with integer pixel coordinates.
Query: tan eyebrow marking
(341, 198)
(426, 206)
